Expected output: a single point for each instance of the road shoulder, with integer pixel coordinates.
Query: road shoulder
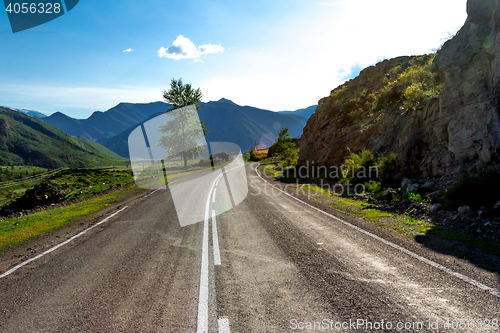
(445, 252)
(17, 254)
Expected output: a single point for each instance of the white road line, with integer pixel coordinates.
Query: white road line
(402, 249)
(216, 184)
(215, 240)
(223, 325)
(213, 198)
(203, 297)
(147, 195)
(12, 270)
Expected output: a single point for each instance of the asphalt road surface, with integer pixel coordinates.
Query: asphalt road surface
(221, 252)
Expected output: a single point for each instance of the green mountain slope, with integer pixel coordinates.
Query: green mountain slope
(28, 141)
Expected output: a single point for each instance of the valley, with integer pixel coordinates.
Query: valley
(375, 208)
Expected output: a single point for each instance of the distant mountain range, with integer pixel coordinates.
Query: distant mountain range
(226, 121)
(31, 113)
(306, 113)
(106, 124)
(25, 140)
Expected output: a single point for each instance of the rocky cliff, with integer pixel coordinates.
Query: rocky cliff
(438, 122)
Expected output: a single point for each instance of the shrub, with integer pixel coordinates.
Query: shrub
(374, 172)
(387, 167)
(251, 154)
(407, 84)
(410, 83)
(374, 188)
(285, 148)
(417, 198)
(356, 168)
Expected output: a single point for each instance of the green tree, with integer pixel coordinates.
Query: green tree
(184, 130)
(285, 148)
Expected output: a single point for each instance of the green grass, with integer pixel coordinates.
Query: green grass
(269, 170)
(18, 230)
(403, 224)
(19, 172)
(78, 184)
(12, 190)
(83, 183)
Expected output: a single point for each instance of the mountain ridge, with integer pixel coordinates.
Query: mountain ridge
(106, 124)
(226, 121)
(26, 140)
(31, 113)
(305, 112)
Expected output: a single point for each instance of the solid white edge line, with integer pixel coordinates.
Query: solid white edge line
(223, 325)
(203, 296)
(215, 240)
(12, 270)
(147, 195)
(402, 249)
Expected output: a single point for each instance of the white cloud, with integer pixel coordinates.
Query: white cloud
(128, 50)
(183, 48)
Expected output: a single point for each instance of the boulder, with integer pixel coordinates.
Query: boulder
(464, 210)
(428, 185)
(388, 194)
(433, 195)
(405, 182)
(435, 208)
(412, 188)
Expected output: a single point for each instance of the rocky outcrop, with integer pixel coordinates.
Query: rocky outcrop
(469, 66)
(4, 128)
(457, 131)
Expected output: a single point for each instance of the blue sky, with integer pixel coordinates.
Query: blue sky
(273, 54)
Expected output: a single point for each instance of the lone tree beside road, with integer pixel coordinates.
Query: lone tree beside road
(285, 148)
(184, 131)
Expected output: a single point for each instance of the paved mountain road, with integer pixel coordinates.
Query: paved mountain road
(282, 265)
